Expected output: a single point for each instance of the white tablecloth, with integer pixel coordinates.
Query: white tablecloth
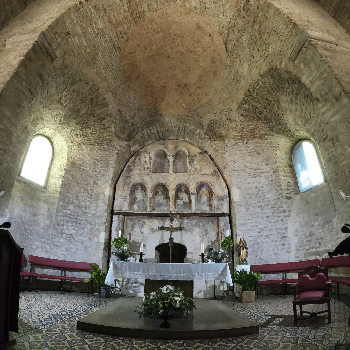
(157, 271)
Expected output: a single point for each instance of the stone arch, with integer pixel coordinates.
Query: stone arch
(138, 197)
(204, 197)
(160, 162)
(160, 198)
(182, 198)
(274, 99)
(180, 162)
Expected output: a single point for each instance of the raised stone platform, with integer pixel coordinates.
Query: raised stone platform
(212, 319)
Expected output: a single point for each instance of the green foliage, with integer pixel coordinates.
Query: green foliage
(122, 251)
(165, 300)
(227, 243)
(248, 281)
(97, 276)
(216, 255)
(120, 242)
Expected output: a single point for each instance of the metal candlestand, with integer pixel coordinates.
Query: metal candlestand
(202, 256)
(141, 254)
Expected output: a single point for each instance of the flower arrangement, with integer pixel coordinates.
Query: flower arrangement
(122, 251)
(164, 302)
(217, 255)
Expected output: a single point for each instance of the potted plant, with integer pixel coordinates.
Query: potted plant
(248, 281)
(121, 249)
(164, 302)
(98, 277)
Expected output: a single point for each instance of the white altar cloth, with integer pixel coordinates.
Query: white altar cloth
(158, 271)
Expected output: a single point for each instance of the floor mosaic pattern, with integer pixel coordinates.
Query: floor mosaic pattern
(48, 321)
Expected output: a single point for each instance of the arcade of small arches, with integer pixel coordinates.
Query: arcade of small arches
(160, 199)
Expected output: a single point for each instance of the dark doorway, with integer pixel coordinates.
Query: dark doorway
(178, 255)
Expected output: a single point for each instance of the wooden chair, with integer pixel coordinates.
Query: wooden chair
(313, 287)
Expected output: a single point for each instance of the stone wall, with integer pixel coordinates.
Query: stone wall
(286, 78)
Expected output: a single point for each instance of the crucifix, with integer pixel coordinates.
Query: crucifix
(172, 229)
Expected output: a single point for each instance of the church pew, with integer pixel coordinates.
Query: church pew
(337, 262)
(283, 269)
(54, 264)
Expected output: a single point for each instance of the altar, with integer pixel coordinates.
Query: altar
(168, 271)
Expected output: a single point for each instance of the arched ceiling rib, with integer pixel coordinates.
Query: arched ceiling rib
(87, 37)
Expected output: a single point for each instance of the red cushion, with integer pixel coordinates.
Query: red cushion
(60, 264)
(311, 295)
(342, 280)
(285, 267)
(336, 261)
(319, 282)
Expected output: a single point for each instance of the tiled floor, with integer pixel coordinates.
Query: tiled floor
(48, 321)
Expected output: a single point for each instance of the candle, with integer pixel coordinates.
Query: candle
(202, 248)
(120, 233)
(141, 248)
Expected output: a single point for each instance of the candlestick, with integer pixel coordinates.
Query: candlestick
(202, 257)
(141, 254)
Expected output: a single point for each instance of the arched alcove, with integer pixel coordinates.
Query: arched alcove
(138, 197)
(204, 197)
(178, 255)
(180, 163)
(160, 198)
(160, 162)
(182, 198)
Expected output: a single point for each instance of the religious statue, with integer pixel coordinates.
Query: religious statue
(243, 254)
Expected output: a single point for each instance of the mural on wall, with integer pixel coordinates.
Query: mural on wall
(138, 197)
(161, 198)
(160, 182)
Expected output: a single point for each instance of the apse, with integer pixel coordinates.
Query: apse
(183, 197)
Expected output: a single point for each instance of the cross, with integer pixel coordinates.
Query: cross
(171, 228)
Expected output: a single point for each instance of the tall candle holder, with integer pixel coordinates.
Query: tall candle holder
(202, 257)
(141, 254)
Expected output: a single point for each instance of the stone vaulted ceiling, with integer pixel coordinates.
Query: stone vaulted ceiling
(212, 69)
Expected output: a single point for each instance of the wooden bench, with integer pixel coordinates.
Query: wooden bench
(336, 262)
(283, 268)
(55, 264)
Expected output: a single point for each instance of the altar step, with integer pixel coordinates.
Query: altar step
(212, 319)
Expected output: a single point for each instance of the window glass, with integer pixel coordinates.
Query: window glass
(307, 166)
(37, 161)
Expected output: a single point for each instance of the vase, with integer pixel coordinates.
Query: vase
(165, 323)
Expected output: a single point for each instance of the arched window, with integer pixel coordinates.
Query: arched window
(307, 166)
(37, 161)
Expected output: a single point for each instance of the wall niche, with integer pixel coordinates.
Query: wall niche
(160, 162)
(204, 198)
(138, 197)
(180, 162)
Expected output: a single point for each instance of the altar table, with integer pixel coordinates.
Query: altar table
(159, 271)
